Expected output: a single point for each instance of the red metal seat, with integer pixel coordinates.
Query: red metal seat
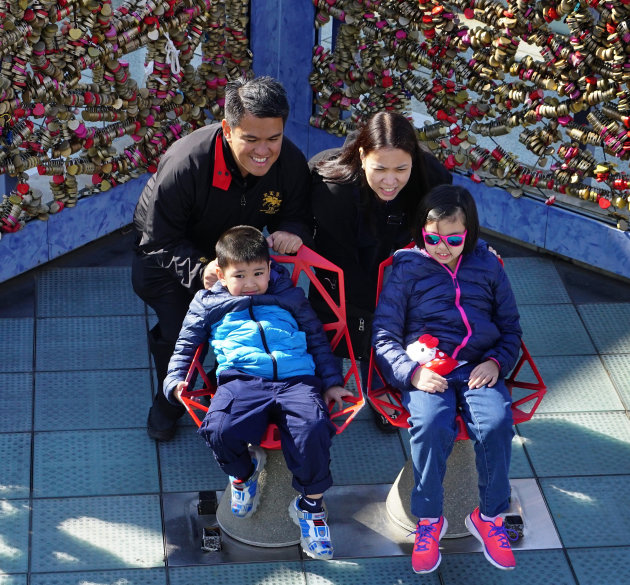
(387, 400)
(304, 262)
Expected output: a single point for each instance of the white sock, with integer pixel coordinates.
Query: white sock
(431, 520)
(488, 518)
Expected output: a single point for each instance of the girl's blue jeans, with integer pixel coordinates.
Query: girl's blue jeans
(488, 418)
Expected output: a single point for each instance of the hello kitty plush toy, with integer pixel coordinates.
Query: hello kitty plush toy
(425, 351)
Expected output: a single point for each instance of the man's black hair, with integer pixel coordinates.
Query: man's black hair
(261, 97)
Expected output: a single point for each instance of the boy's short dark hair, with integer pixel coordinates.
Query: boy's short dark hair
(261, 97)
(242, 243)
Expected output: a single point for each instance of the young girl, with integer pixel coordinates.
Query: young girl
(450, 286)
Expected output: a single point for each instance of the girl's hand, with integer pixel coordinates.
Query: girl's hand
(335, 394)
(485, 374)
(428, 381)
(181, 386)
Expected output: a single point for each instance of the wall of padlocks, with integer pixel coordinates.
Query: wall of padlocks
(496, 81)
(548, 79)
(70, 110)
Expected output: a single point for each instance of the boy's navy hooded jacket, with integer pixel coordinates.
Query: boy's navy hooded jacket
(472, 311)
(275, 335)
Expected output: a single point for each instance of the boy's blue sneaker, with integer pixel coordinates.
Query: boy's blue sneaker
(245, 494)
(315, 538)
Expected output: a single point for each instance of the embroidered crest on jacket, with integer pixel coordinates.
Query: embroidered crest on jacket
(271, 202)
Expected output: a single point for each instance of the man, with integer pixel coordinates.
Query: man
(241, 171)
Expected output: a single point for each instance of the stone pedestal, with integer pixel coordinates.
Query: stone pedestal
(461, 495)
(270, 526)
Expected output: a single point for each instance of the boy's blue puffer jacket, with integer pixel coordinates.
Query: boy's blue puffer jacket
(472, 312)
(246, 331)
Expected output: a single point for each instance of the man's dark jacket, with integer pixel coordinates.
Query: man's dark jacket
(198, 192)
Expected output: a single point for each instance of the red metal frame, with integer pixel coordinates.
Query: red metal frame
(387, 400)
(305, 261)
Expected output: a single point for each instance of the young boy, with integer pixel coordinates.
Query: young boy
(274, 364)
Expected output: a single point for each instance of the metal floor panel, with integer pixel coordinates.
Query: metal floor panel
(536, 567)
(554, 330)
(519, 464)
(91, 343)
(587, 443)
(608, 325)
(13, 579)
(359, 523)
(601, 565)
(363, 454)
(90, 463)
(95, 399)
(576, 383)
(127, 577)
(81, 534)
(14, 518)
(618, 366)
(524, 272)
(183, 529)
(16, 402)
(278, 573)
(16, 345)
(373, 571)
(66, 292)
(580, 503)
(187, 464)
(15, 466)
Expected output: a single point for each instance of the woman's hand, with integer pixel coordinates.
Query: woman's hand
(428, 381)
(485, 374)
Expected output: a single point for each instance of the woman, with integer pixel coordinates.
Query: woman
(364, 198)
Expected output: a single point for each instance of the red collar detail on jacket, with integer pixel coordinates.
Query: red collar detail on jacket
(221, 177)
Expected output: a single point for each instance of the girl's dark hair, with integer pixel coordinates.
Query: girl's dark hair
(447, 201)
(262, 97)
(242, 243)
(382, 130)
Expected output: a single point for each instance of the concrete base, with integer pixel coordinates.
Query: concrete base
(461, 495)
(270, 526)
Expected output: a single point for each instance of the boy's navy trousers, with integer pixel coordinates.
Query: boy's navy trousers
(244, 405)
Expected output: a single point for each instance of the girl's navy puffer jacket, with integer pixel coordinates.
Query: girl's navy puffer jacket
(275, 335)
(472, 312)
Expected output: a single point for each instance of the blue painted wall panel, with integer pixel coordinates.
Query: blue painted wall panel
(92, 218)
(23, 250)
(523, 218)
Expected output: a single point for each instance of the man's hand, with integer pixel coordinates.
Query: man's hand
(181, 386)
(335, 394)
(428, 381)
(284, 242)
(485, 374)
(210, 274)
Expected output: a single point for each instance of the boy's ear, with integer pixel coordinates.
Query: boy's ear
(220, 276)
